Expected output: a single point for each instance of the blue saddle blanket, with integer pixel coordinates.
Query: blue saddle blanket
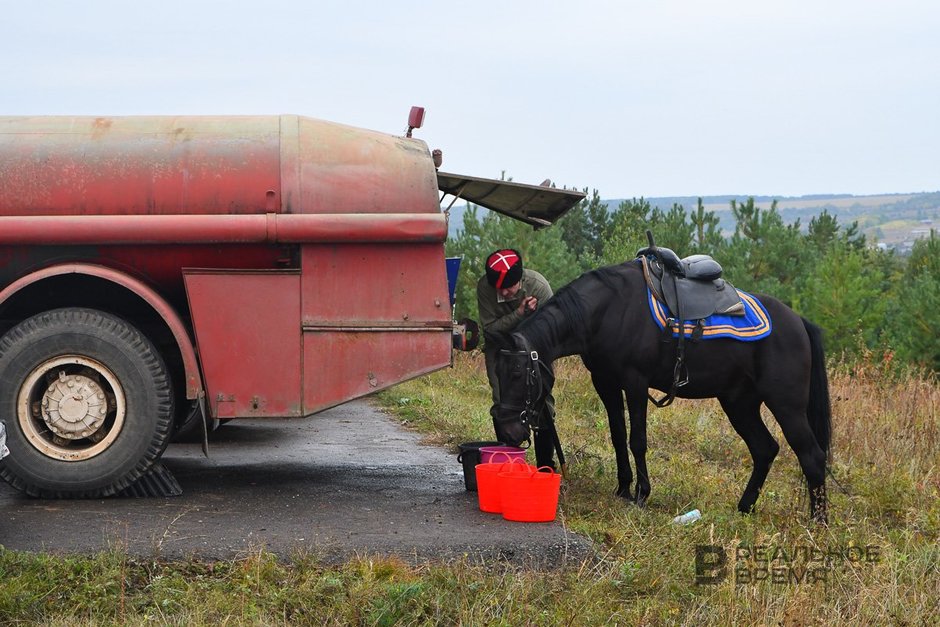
(752, 326)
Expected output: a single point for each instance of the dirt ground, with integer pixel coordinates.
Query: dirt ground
(349, 481)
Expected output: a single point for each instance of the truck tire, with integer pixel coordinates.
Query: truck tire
(87, 402)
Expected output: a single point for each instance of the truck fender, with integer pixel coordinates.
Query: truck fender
(190, 364)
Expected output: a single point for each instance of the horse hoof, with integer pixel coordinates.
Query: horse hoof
(745, 509)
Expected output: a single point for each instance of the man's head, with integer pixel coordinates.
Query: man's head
(504, 272)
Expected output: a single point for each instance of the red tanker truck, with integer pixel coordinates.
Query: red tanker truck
(160, 272)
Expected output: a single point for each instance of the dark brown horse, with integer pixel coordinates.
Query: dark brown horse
(604, 317)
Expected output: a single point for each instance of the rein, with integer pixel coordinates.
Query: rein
(534, 403)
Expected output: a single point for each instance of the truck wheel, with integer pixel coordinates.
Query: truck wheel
(87, 403)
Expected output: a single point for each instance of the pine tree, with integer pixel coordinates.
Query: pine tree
(914, 319)
(764, 254)
(844, 294)
(585, 228)
(629, 223)
(706, 231)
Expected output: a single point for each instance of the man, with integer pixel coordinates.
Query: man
(506, 294)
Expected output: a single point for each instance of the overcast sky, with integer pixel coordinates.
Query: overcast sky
(633, 98)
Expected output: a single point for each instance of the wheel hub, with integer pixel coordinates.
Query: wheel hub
(74, 406)
(71, 408)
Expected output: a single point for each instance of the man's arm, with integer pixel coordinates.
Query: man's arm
(540, 289)
(537, 289)
(490, 319)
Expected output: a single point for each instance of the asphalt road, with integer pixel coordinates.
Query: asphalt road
(349, 481)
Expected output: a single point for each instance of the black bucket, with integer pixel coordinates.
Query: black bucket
(470, 456)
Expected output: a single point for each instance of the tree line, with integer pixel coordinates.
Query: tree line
(869, 301)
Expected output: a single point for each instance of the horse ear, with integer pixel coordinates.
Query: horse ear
(498, 340)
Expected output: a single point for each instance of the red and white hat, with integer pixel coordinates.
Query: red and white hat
(504, 268)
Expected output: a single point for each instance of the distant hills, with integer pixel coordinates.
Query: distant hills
(891, 220)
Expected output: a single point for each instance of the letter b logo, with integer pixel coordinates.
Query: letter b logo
(710, 564)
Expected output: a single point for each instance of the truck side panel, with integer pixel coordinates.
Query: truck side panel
(372, 315)
(345, 363)
(248, 335)
(402, 285)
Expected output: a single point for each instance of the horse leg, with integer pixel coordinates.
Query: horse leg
(544, 448)
(796, 429)
(744, 414)
(545, 437)
(636, 405)
(612, 397)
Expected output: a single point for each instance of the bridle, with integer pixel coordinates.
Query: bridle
(536, 371)
(531, 413)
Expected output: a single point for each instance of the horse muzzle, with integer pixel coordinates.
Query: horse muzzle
(511, 428)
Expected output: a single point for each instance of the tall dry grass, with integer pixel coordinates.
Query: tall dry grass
(883, 491)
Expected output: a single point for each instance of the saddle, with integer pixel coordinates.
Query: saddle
(692, 288)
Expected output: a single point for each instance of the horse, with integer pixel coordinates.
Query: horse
(604, 317)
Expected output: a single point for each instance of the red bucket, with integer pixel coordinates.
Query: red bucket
(489, 479)
(530, 496)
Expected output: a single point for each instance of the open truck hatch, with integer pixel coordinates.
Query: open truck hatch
(538, 205)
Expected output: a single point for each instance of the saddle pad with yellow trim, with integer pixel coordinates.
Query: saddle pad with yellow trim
(752, 326)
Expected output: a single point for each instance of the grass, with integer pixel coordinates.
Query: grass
(887, 510)
(885, 496)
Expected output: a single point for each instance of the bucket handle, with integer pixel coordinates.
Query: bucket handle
(460, 455)
(513, 462)
(551, 471)
(537, 471)
(508, 457)
(511, 458)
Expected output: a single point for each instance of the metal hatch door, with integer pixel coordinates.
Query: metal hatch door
(538, 205)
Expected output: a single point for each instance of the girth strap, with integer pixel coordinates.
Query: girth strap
(680, 374)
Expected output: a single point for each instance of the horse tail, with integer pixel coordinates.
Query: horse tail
(818, 410)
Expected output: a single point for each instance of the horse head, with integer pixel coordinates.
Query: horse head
(524, 381)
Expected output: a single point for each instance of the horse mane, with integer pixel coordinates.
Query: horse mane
(565, 314)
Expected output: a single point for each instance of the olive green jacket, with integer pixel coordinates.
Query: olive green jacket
(503, 317)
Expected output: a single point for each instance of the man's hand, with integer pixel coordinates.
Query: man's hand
(528, 305)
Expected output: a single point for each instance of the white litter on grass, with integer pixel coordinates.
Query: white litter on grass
(687, 518)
